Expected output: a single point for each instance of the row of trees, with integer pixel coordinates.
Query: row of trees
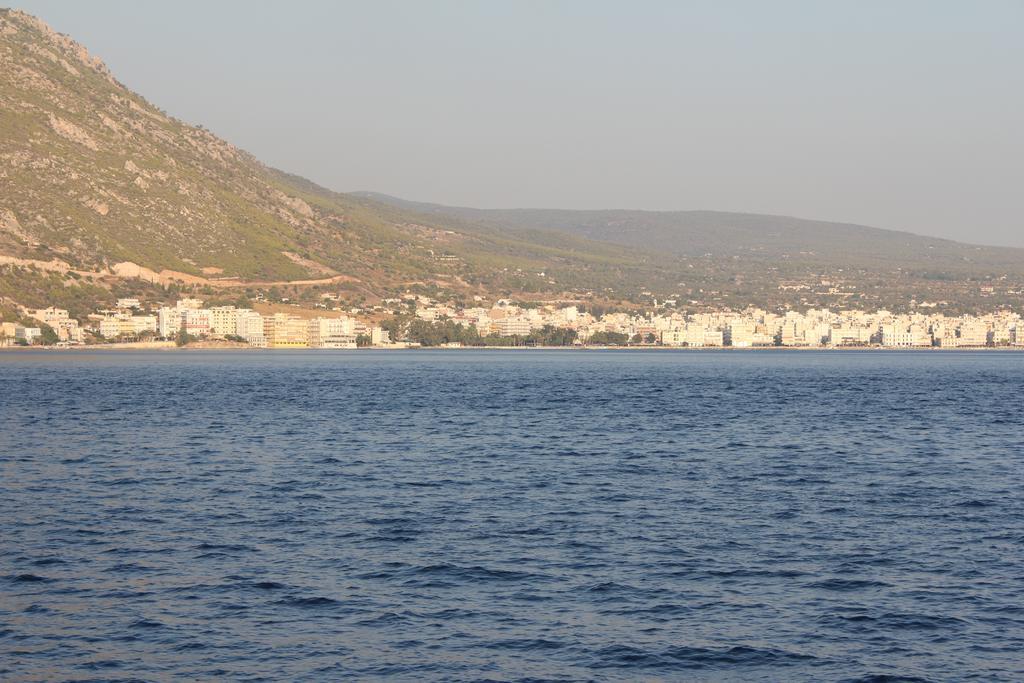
(438, 333)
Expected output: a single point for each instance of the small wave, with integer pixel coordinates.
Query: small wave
(662, 610)
(367, 576)
(232, 606)
(228, 547)
(757, 573)
(388, 521)
(385, 619)
(29, 578)
(146, 623)
(102, 664)
(127, 481)
(268, 585)
(886, 678)
(607, 587)
(919, 621)
(974, 504)
(524, 644)
(450, 614)
(313, 602)
(128, 567)
(695, 657)
(847, 584)
(474, 573)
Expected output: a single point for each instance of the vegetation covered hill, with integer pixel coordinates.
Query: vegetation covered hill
(103, 194)
(98, 184)
(749, 236)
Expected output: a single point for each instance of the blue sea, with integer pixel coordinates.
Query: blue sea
(512, 516)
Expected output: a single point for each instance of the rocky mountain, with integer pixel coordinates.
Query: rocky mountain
(103, 193)
(94, 175)
(97, 182)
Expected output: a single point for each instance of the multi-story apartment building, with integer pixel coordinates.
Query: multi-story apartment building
(187, 315)
(901, 335)
(124, 325)
(796, 333)
(972, 332)
(109, 328)
(674, 337)
(850, 335)
(379, 336)
(223, 321)
(168, 322)
(714, 337)
(944, 335)
(196, 321)
(249, 326)
(1017, 338)
(284, 331)
(512, 326)
(332, 333)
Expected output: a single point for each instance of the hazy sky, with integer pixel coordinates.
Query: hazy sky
(894, 113)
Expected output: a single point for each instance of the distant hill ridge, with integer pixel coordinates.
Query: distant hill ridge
(98, 186)
(720, 233)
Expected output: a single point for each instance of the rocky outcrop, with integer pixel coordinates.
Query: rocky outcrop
(70, 131)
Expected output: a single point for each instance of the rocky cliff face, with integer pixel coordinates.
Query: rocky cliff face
(93, 174)
(97, 184)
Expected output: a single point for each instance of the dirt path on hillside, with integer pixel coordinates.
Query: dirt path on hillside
(133, 271)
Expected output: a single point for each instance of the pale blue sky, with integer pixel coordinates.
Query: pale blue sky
(897, 114)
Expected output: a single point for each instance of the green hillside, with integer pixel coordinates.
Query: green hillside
(102, 193)
(93, 175)
(750, 236)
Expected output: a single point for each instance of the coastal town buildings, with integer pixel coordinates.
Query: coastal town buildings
(505, 320)
(66, 327)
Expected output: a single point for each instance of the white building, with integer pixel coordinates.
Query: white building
(332, 333)
(1017, 338)
(196, 322)
(27, 334)
(168, 322)
(713, 337)
(249, 326)
(63, 324)
(740, 332)
(973, 332)
(512, 326)
(850, 335)
(379, 336)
